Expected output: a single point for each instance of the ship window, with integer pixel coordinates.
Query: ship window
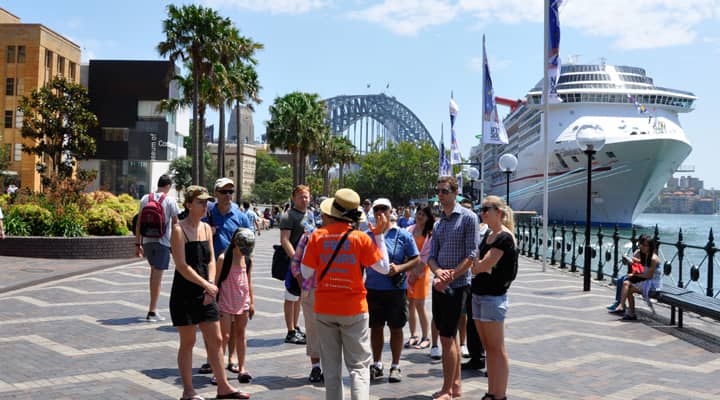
(574, 158)
(633, 133)
(610, 154)
(562, 162)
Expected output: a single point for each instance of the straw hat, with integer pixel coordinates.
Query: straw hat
(345, 205)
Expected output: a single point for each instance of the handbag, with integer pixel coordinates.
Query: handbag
(280, 263)
(398, 279)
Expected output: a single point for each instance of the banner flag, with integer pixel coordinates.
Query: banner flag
(455, 157)
(553, 52)
(444, 167)
(493, 129)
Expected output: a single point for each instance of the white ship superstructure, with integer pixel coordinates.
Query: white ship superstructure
(641, 152)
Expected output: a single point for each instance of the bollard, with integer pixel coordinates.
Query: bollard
(552, 241)
(616, 243)
(710, 249)
(573, 265)
(562, 252)
(600, 253)
(537, 242)
(681, 254)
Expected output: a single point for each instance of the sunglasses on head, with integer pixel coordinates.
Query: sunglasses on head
(380, 209)
(442, 191)
(486, 208)
(226, 191)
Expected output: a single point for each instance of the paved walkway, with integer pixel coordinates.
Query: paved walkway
(84, 337)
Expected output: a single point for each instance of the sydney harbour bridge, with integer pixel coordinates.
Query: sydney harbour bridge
(374, 118)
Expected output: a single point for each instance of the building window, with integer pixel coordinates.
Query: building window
(48, 59)
(60, 65)
(10, 54)
(18, 119)
(21, 54)
(8, 118)
(71, 71)
(115, 134)
(18, 151)
(9, 86)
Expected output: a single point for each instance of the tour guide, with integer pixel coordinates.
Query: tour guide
(340, 296)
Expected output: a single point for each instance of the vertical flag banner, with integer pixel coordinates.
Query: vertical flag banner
(553, 52)
(493, 129)
(455, 157)
(444, 164)
(459, 178)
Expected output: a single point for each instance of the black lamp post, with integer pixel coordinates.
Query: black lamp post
(473, 173)
(507, 163)
(590, 139)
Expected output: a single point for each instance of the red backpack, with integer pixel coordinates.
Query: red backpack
(152, 217)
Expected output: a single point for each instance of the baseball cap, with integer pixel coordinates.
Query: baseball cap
(222, 182)
(382, 202)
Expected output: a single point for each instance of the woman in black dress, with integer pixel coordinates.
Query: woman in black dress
(192, 299)
(493, 270)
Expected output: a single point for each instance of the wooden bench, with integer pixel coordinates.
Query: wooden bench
(685, 299)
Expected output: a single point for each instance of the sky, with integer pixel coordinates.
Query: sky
(419, 51)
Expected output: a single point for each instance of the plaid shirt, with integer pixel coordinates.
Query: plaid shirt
(455, 238)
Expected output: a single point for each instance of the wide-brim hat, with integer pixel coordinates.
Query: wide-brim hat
(194, 191)
(345, 205)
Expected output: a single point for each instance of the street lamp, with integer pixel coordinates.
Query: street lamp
(473, 173)
(507, 163)
(590, 139)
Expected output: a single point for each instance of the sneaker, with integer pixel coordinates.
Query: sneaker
(613, 306)
(628, 317)
(464, 351)
(435, 353)
(395, 375)
(375, 373)
(153, 316)
(316, 375)
(299, 332)
(473, 364)
(294, 338)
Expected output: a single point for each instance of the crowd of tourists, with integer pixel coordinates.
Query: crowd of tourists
(352, 267)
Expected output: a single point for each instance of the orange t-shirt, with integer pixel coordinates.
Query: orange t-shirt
(342, 290)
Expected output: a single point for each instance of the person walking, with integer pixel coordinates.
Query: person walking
(192, 298)
(387, 293)
(253, 218)
(235, 295)
(293, 224)
(157, 249)
(493, 271)
(334, 256)
(454, 246)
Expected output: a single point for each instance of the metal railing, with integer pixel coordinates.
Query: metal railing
(565, 246)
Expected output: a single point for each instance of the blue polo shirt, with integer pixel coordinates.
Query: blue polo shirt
(225, 225)
(400, 246)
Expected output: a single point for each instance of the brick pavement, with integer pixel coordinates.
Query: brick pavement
(84, 337)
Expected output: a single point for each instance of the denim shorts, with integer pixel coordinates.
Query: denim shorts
(489, 308)
(158, 256)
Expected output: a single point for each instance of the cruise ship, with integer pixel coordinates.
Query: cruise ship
(645, 144)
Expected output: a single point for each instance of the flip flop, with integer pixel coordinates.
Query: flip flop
(233, 367)
(244, 377)
(193, 397)
(234, 395)
(424, 344)
(412, 342)
(205, 369)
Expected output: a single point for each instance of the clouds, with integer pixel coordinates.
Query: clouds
(634, 24)
(272, 6)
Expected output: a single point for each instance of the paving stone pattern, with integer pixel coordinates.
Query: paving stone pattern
(84, 337)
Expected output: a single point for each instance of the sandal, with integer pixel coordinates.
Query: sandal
(424, 344)
(193, 397)
(234, 368)
(412, 342)
(244, 377)
(234, 395)
(205, 369)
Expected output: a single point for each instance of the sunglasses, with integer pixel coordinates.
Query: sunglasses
(381, 209)
(226, 191)
(442, 191)
(486, 208)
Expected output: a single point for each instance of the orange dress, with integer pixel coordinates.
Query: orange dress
(419, 289)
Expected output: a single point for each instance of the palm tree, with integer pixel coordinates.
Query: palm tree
(326, 157)
(345, 154)
(297, 122)
(190, 34)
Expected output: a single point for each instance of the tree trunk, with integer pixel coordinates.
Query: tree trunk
(340, 175)
(201, 148)
(297, 179)
(221, 143)
(326, 180)
(195, 143)
(238, 155)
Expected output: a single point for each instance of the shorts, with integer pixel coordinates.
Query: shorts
(158, 256)
(447, 307)
(289, 296)
(387, 306)
(488, 308)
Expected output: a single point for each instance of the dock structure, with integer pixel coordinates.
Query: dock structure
(76, 330)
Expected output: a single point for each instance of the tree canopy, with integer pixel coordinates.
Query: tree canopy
(56, 119)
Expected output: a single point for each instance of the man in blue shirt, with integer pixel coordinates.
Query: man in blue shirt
(454, 246)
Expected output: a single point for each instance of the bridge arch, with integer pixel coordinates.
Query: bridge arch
(366, 119)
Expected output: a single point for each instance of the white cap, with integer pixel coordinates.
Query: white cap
(382, 202)
(222, 182)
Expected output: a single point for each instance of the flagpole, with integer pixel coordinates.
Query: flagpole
(546, 117)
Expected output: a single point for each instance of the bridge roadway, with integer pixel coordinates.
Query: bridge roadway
(83, 336)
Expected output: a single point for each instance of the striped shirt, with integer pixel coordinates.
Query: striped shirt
(455, 238)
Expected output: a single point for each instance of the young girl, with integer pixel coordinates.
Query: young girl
(235, 295)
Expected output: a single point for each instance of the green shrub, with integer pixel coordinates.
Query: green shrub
(104, 221)
(29, 220)
(69, 222)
